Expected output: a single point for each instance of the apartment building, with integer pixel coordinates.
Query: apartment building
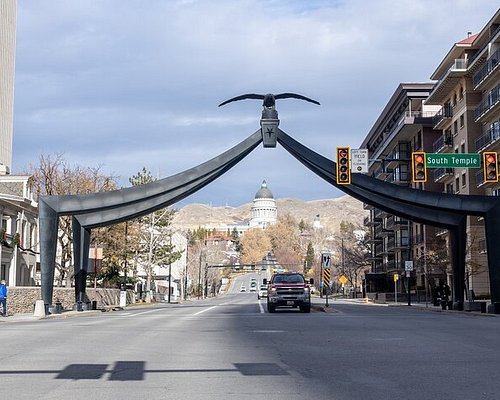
(405, 125)
(468, 92)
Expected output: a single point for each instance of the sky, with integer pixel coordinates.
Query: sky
(130, 84)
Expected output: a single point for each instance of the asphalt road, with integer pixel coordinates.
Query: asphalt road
(231, 348)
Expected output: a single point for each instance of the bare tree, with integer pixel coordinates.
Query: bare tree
(53, 175)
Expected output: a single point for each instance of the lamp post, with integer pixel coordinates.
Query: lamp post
(169, 281)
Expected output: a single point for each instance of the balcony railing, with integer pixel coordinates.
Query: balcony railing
(441, 173)
(417, 239)
(445, 140)
(487, 69)
(446, 112)
(479, 178)
(491, 135)
(488, 103)
(482, 246)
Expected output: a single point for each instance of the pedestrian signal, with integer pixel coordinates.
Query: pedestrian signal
(490, 166)
(343, 165)
(419, 171)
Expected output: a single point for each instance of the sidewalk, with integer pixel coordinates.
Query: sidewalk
(26, 317)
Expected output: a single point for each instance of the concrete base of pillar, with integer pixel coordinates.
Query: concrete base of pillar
(39, 309)
(458, 305)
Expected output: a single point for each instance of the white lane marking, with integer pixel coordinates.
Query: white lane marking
(141, 313)
(261, 308)
(206, 309)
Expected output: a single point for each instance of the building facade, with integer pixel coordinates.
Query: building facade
(405, 125)
(7, 68)
(19, 250)
(468, 92)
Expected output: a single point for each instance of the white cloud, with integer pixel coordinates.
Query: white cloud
(143, 81)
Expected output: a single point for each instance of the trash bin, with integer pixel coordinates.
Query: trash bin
(94, 305)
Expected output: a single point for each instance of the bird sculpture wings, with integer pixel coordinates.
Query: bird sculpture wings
(269, 100)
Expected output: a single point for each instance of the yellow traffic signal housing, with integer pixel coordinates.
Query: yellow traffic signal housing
(490, 166)
(343, 165)
(418, 167)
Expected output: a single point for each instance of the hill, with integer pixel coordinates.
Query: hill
(331, 211)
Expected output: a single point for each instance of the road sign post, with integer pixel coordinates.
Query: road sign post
(408, 269)
(396, 277)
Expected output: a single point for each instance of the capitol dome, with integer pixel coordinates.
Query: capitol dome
(264, 192)
(264, 210)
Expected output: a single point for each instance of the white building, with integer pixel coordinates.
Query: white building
(19, 250)
(264, 210)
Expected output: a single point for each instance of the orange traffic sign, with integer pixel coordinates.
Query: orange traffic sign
(343, 280)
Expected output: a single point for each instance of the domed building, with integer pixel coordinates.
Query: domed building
(264, 210)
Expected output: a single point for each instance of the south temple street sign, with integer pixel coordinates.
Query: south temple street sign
(454, 160)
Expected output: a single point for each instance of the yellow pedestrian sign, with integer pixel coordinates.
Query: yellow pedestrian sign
(343, 280)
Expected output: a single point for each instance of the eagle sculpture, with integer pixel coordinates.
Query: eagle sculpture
(269, 100)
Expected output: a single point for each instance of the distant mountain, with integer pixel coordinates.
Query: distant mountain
(331, 212)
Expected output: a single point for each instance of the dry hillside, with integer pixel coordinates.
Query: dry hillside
(331, 211)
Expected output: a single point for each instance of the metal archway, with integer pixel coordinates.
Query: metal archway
(106, 208)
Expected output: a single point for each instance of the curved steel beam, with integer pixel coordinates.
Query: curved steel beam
(85, 203)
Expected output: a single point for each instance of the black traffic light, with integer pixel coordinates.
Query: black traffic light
(490, 166)
(419, 171)
(343, 165)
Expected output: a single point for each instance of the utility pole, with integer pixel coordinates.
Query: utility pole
(198, 291)
(170, 271)
(408, 273)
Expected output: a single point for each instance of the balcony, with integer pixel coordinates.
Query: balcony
(442, 116)
(491, 136)
(488, 104)
(401, 243)
(444, 142)
(483, 249)
(441, 173)
(383, 173)
(368, 221)
(491, 66)
(450, 79)
(402, 178)
(480, 178)
(418, 239)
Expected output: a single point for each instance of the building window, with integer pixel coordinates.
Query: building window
(462, 121)
(462, 148)
(457, 185)
(464, 180)
(461, 93)
(455, 127)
